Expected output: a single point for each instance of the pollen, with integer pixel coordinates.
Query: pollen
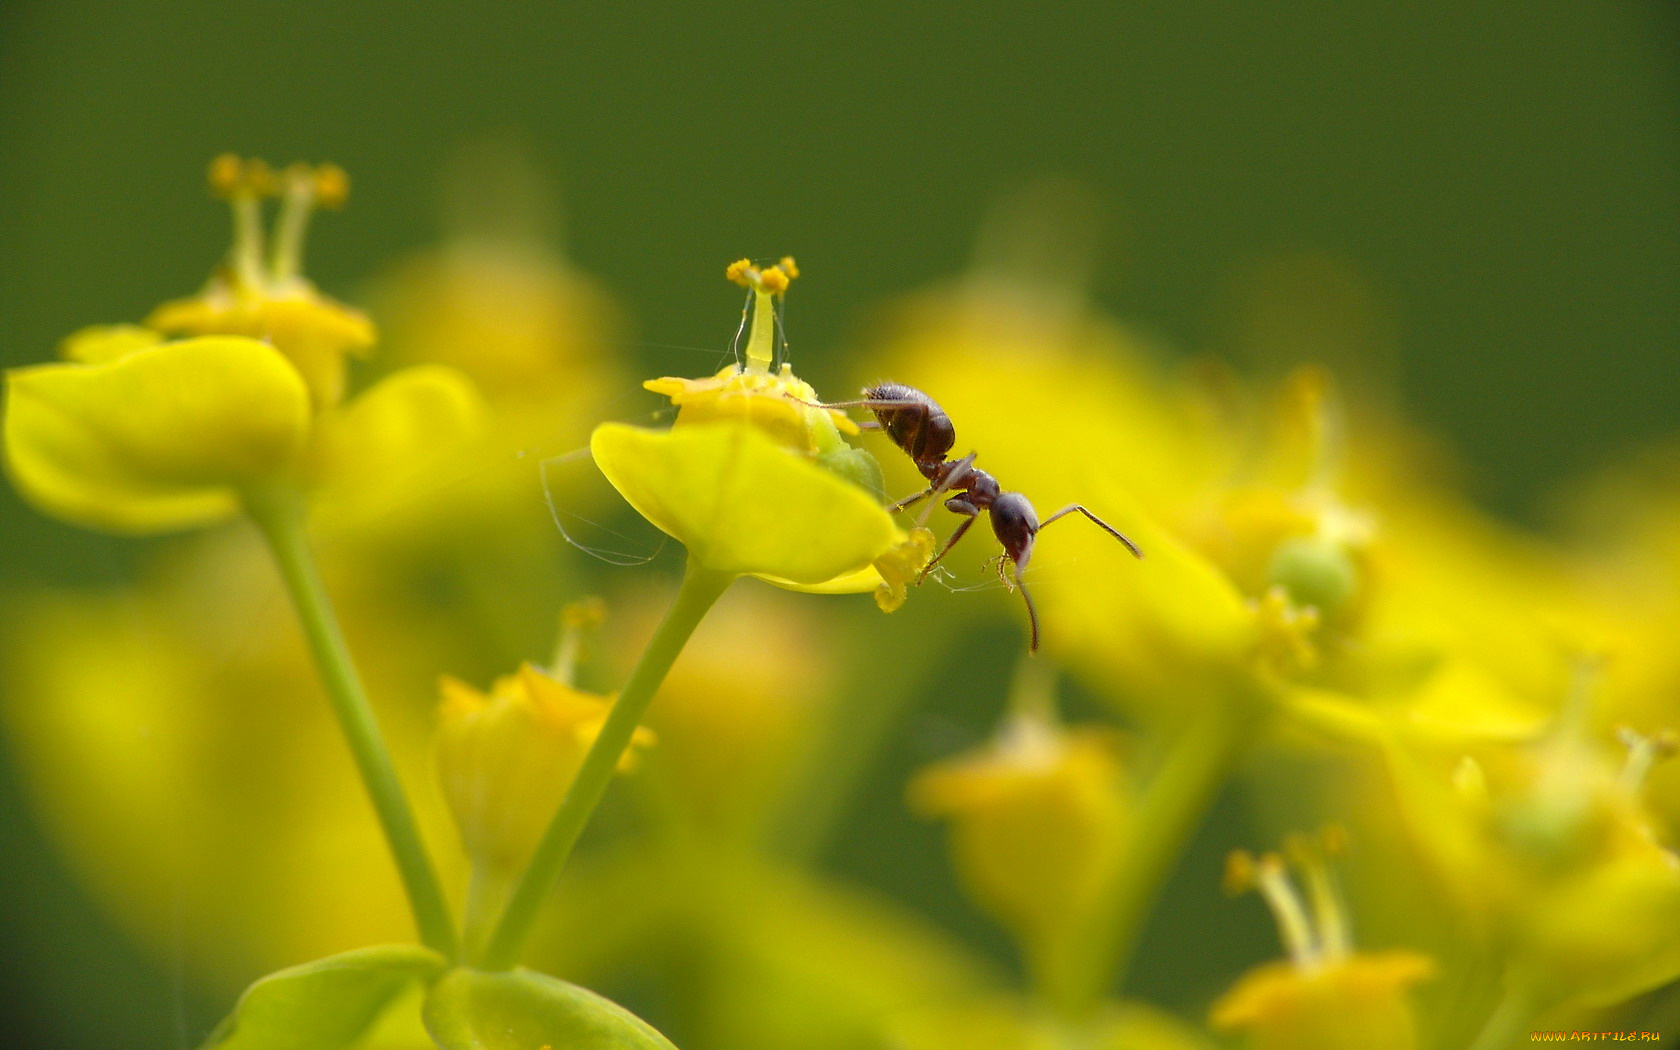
(771, 280)
(233, 176)
(1240, 873)
(332, 186)
(227, 174)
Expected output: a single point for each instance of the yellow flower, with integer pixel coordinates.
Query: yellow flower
(1357, 1002)
(1549, 845)
(755, 480)
(153, 436)
(133, 432)
(1040, 819)
(506, 759)
(1326, 995)
(270, 299)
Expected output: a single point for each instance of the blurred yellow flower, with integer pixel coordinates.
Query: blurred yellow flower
(1039, 821)
(1549, 847)
(153, 436)
(1326, 995)
(270, 299)
(505, 759)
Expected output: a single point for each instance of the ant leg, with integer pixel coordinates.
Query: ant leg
(1105, 526)
(910, 501)
(1032, 613)
(951, 475)
(973, 516)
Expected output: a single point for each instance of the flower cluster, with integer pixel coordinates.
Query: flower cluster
(1324, 635)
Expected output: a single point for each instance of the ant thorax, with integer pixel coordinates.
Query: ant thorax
(980, 489)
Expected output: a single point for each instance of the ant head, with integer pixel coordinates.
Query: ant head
(913, 421)
(1015, 523)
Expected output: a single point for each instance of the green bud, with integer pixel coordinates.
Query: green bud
(1315, 572)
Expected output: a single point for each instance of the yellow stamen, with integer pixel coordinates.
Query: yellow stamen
(332, 186)
(243, 184)
(227, 176)
(1294, 929)
(577, 620)
(292, 222)
(1329, 913)
(789, 267)
(774, 280)
(738, 271)
(1239, 872)
(1644, 752)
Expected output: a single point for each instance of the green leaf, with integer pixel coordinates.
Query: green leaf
(324, 1004)
(524, 1010)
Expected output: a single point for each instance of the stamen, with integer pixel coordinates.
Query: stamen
(1644, 752)
(1239, 872)
(332, 186)
(767, 286)
(1323, 416)
(227, 176)
(292, 224)
(1329, 911)
(243, 184)
(576, 621)
(1294, 929)
(738, 273)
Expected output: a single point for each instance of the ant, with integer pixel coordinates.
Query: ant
(922, 430)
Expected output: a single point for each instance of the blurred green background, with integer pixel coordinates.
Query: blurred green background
(1480, 202)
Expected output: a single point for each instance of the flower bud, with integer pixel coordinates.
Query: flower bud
(505, 760)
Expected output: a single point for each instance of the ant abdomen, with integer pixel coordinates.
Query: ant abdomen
(913, 421)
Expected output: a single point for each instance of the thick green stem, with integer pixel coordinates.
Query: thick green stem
(700, 589)
(280, 518)
(1197, 764)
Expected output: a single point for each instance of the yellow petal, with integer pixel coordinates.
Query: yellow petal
(156, 440)
(889, 577)
(310, 329)
(102, 343)
(381, 447)
(743, 504)
(862, 581)
(1359, 1001)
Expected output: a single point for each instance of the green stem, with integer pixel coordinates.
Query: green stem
(486, 891)
(1178, 796)
(700, 588)
(1504, 1027)
(279, 516)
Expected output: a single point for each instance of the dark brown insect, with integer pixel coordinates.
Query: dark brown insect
(919, 427)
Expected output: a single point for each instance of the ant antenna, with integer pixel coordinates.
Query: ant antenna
(1137, 552)
(1032, 611)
